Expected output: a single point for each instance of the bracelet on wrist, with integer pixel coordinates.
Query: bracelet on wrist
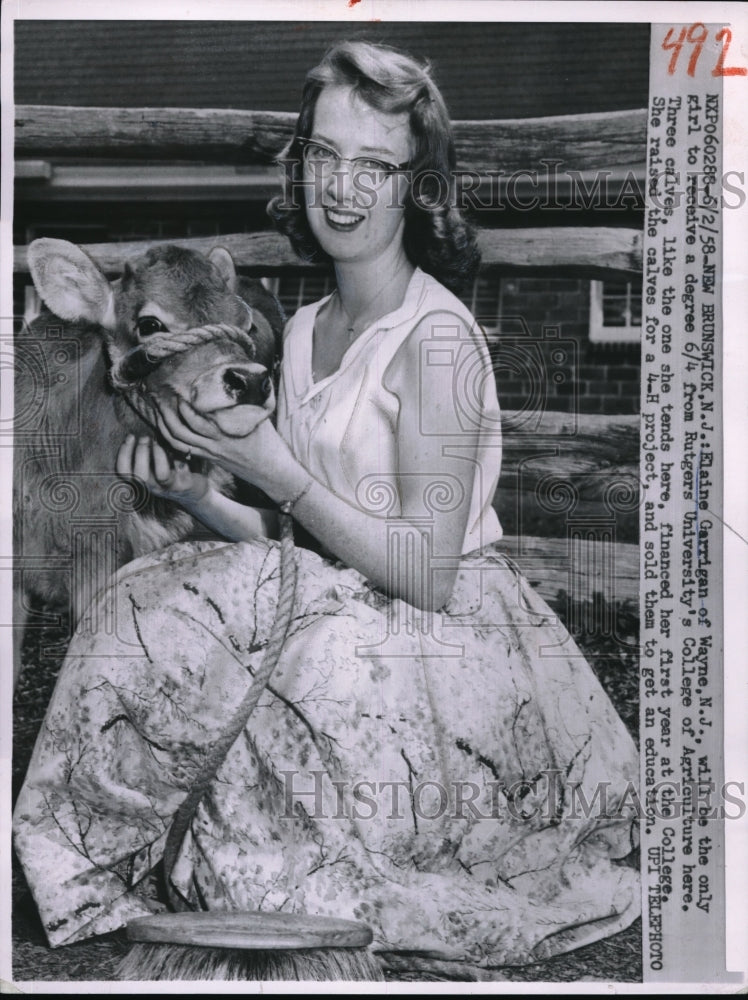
(288, 505)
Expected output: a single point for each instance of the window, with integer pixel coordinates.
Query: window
(615, 312)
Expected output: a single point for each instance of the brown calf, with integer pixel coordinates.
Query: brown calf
(75, 522)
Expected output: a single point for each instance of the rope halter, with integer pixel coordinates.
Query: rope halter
(130, 369)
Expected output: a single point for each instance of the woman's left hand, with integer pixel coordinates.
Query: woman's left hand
(250, 450)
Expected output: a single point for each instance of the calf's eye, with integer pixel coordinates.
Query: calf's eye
(148, 325)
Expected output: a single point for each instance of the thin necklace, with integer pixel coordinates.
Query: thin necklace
(352, 323)
(351, 328)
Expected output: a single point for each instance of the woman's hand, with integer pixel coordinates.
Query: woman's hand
(173, 479)
(241, 440)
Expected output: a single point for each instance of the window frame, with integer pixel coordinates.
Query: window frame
(599, 332)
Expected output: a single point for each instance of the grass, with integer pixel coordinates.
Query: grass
(612, 656)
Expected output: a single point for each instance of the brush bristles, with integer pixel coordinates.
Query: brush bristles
(185, 962)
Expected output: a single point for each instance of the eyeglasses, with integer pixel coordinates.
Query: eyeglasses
(326, 160)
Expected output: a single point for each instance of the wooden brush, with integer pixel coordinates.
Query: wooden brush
(256, 946)
(249, 945)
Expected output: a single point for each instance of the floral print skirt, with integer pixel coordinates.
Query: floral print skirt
(459, 781)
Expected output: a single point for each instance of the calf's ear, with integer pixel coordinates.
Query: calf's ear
(222, 260)
(69, 282)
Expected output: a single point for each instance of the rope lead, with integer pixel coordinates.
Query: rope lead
(220, 748)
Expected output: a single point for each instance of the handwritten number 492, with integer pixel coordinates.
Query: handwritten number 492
(696, 35)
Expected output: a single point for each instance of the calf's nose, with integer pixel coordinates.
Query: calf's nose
(247, 387)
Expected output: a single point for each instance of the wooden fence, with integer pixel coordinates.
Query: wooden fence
(589, 464)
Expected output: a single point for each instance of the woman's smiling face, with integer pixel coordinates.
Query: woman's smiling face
(357, 218)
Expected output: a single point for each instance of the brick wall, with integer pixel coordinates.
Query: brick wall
(542, 351)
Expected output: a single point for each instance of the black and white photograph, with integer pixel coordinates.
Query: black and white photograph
(374, 526)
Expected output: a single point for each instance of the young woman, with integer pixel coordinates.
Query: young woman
(432, 756)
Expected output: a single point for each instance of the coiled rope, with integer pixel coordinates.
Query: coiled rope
(159, 347)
